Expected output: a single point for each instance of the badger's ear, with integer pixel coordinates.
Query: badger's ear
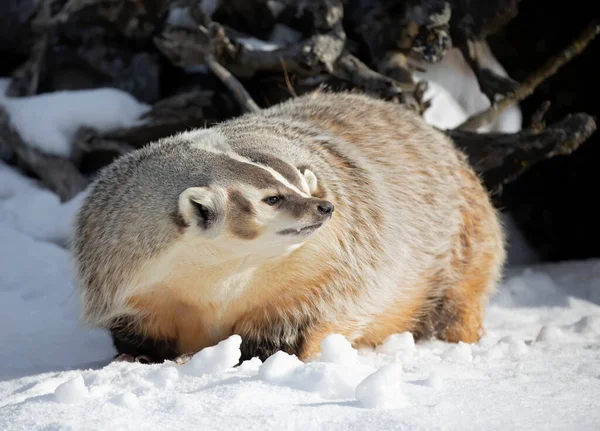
(311, 180)
(203, 207)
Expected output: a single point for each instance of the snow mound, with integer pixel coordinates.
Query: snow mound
(279, 367)
(49, 121)
(397, 342)
(444, 112)
(336, 349)
(71, 391)
(35, 211)
(217, 358)
(460, 352)
(126, 399)
(383, 388)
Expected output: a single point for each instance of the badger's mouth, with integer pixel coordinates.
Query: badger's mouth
(301, 230)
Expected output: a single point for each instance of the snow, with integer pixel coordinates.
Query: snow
(397, 342)
(217, 358)
(455, 95)
(337, 350)
(537, 365)
(49, 121)
(384, 388)
(521, 252)
(72, 391)
(444, 112)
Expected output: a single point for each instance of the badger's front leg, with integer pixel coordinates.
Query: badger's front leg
(265, 344)
(264, 333)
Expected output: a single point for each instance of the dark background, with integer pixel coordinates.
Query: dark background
(555, 203)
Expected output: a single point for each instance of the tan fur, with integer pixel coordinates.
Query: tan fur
(413, 243)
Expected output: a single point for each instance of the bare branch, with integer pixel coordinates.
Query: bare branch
(237, 89)
(501, 157)
(57, 173)
(536, 78)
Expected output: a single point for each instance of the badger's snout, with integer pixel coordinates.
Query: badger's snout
(311, 215)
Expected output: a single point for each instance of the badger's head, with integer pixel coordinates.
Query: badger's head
(256, 203)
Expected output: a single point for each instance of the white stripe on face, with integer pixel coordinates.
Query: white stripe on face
(270, 170)
(212, 141)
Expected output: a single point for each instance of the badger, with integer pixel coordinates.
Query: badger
(332, 212)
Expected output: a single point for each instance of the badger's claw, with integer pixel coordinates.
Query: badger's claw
(125, 357)
(182, 359)
(143, 359)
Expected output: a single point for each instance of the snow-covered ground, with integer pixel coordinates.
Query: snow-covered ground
(538, 367)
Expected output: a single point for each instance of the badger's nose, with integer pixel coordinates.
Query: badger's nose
(325, 207)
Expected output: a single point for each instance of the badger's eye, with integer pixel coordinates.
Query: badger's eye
(272, 200)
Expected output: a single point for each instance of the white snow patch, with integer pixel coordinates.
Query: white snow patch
(435, 381)
(278, 367)
(333, 376)
(217, 358)
(250, 366)
(71, 391)
(460, 352)
(34, 210)
(49, 121)
(444, 112)
(126, 399)
(383, 388)
(454, 83)
(397, 342)
(330, 381)
(337, 350)
(167, 377)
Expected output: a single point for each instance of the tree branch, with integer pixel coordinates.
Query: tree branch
(536, 78)
(235, 87)
(57, 173)
(501, 157)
